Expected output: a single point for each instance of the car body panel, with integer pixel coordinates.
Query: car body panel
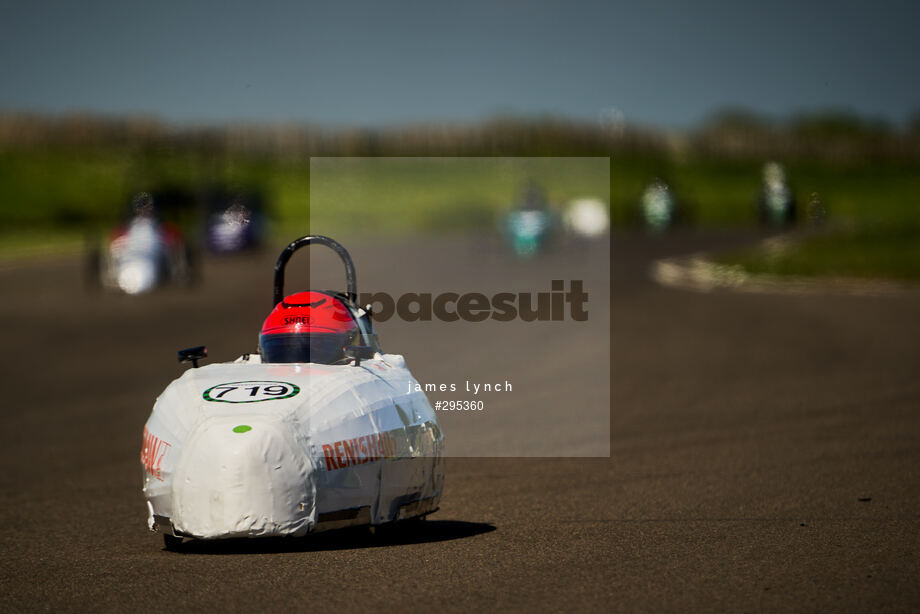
(246, 449)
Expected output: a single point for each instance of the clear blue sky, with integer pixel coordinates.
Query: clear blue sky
(374, 62)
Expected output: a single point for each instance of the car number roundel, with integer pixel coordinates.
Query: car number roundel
(250, 392)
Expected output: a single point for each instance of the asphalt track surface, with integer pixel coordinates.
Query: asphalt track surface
(765, 455)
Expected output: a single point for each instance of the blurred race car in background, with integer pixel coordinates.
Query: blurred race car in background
(587, 218)
(776, 204)
(142, 253)
(658, 206)
(530, 225)
(234, 221)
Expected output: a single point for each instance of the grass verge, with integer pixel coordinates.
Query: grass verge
(871, 252)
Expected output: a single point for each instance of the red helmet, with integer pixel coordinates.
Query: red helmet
(308, 327)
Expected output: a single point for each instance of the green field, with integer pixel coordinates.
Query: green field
(68, 192)
(873, 252)
(66, 186)
(53, 195)
(63, 187)
(721, 192)
(439, 195)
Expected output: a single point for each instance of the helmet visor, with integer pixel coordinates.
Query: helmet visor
(321, 348)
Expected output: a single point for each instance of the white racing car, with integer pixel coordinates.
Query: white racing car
(142, 254)
(320, 430)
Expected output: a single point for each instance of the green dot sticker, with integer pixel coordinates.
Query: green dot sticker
(242, 428)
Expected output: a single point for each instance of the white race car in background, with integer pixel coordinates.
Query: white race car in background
(142, 254)
(253, 449)
(587, 218)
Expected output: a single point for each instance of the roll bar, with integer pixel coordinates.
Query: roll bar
(351, 284)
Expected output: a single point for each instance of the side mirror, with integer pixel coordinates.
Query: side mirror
(359, 353)
(193, 355)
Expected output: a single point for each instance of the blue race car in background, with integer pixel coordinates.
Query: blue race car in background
(234, 222)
